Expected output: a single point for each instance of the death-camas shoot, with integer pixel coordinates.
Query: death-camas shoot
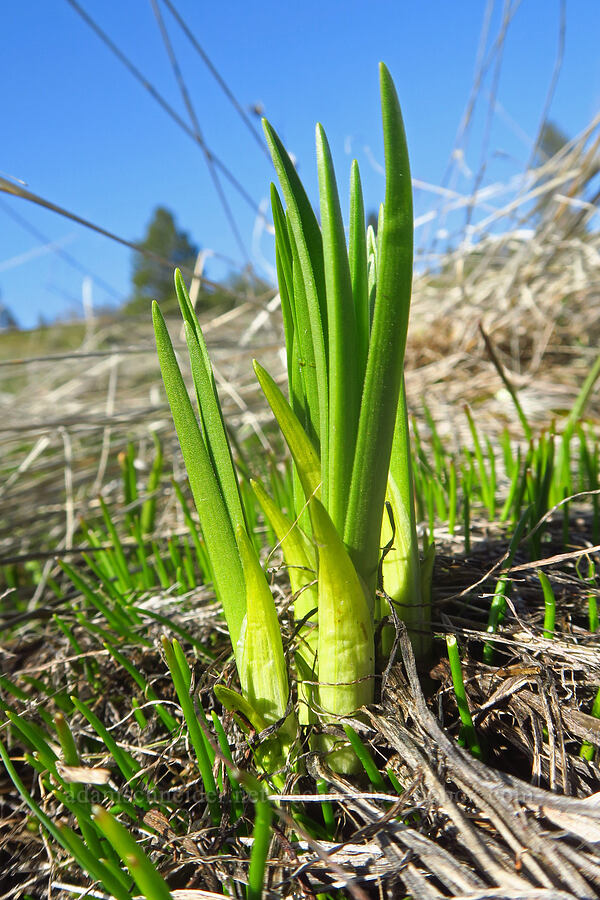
(345, 313)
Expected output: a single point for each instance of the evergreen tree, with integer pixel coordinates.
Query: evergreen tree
(8, 321)
(552, 139)
(153, 280)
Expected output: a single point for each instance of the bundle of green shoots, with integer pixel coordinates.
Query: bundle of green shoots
(345, 314)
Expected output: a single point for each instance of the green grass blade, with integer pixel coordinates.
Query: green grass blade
(366, 760)
(484, 479)
(13, 689)
(169, 721)
(148, 513)
(345, 386)
(67, 743)
(496, 615)
(66, 838)
(145, 577)
(159, 567)
(126, 763)
(214, 516)
(197, 738)
(103, 566)
(37, 738)
(592, 599)
(386, 351)
(126, 461)
(394, 781)
(14, 777)
(326, 809)
(186, 672)
(588, 749)
(192, 527)
(120, 559)
(467, 728)
(452, 497)
(582, 398)
(99, 869)
(116, 618)
(235, 703)
(513, 487)
(236, 802)
(261, 834)
(143, 872)
(549, 606)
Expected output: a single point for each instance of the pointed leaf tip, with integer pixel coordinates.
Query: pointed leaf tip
(266, 126)
(157, 316)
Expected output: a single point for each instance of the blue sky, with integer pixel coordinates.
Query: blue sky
(79, 131)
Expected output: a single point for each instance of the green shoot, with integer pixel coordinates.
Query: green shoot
(588, 749)
(167, 719)
(346, 427)
(198, 739)
(143, 872)
(261, 836)
(236, 804)
(66, 838)
(148, 512)
(549, 605)
(366, 760)
(326, 807)
(496, 615)
(468, 732)
(592, 598)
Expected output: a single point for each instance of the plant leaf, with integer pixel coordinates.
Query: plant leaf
(346, 658)
(401, 567)
(214, 516)
(386, 350)
(298, 552)
(209, 406)
(309, 246)
(343, 375)
(261, 663)
(151, 884)
(357, 254)
(234, 702)
(305, 371)
(301, 566)
(304, 454)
